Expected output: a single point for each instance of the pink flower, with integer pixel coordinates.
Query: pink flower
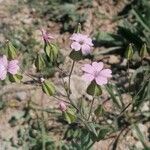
(46, 36)
(62, 106)
(97, 73)
(81, 42)
(7, 66)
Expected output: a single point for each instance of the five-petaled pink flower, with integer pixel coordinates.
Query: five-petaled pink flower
(81, 42)
(97, 73)
(62, 106)
(46, 36)
(7, 66)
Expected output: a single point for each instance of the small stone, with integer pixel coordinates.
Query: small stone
(124, 63)
(114, 59)
(21, 96)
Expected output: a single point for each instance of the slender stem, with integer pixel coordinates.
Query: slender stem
(43, 123)
(124, 110)
(91, 108)
(57, 98)
(69, 90)
(128, 76)
(117, 138)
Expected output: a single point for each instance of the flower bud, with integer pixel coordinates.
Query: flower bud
(42, 80)
(62, 106)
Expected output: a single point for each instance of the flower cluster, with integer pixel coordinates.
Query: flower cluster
(7, 66)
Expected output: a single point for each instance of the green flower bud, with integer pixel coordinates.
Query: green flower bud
(39, 62)
(129, 52)
(48, 87)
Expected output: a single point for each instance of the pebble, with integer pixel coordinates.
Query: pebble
(21, 96)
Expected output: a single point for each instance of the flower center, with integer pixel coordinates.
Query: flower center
(96, 73)
(81, 42)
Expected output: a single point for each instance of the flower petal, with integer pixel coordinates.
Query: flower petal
(88, 41)
(86, 49)
(98, 66)
(88, 68)
(13, 66)
(88, 77)
(76, 46)
(101, 80)
(74, 37)
(3, 61)
(3, 72)
(106, 73)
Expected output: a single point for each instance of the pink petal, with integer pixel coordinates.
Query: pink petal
(78, 37)
(76, 46)
(89, 41)
(86, 49)
(88, 77)
(3, 61)
(74, 37)
(3, 72)
(13, 66)
(101, 80)
(46, 36)
(106, 73)
(98, 66)
(88, 68)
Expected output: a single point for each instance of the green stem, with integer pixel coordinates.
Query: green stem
(69, 90)
(128, 77)
(91, 108)
(43, 124)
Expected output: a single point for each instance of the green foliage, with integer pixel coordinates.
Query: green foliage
(94, 89)
(48, 88)
(51, 51)
(15, 78)
(76, 55)
(70, 116)
(140, 136)
(135, 28)
(11, 51)
(81, 138)
(39, 62)
(66, 12)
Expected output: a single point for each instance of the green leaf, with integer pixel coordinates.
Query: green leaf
(114, 98)
(94, 89)
(76, 55)
(39, 62)
(105, 38)
(91, 127)
(141, 20)
(48, 88)
(129, 52)
(15, 78)
(11, 51)
(102, 133)
(99, 110)
(140, 135)
(69, 116)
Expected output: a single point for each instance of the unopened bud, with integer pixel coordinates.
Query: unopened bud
(62, 106)
(42, 80)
